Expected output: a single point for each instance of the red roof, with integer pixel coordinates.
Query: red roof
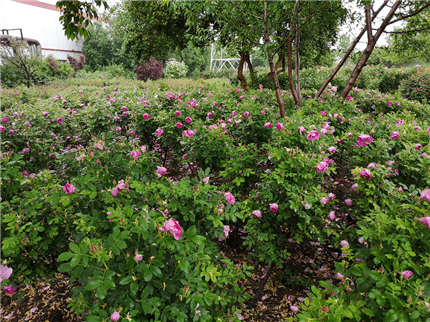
(38, 4)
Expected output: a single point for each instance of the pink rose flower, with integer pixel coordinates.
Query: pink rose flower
(114, 316)
(172, 226)
(10, 289)
(256, 213)
(425, 220)
(161, 171)
(324, 200)
(389, 103)
(226, 231)
(344, 243)
(364, 140)
(399, 123)
(146, 116)
(280, 126)
(210, 115)
(206, 179)
(331, 149)
(69, 188)
(407, 274)
(395, 135)
(322, 166)
(268, 125)
(135, 154)
(365, 174)
(425, 194)
(188, 119)
(274, 207)
(177, 113)
(138, 257)
(159, 132)
(372, 165)
(230, 198)
(313, 135)
(348, 202)
(418, 146)
(60, 120)
(331, 216)
(5, 273)
(246, 114)
(179, 125)
(301, 129)
(294, 308)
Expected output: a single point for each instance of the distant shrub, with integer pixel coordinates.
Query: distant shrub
(152, 70)
(77, 64)
(175, 69)
(417, 86)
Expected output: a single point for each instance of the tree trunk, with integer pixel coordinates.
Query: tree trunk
(272, 65)
(251, 69)
(290, 72)
(371, 42)
(280, 61)
(297, 46)
(240, 76)
(348, 53)
(28, 79)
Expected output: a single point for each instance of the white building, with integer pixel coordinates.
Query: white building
(38, 20)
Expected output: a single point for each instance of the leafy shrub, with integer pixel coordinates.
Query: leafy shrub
(152, 70)
(417, 86)
(175, 69)
(77, 64)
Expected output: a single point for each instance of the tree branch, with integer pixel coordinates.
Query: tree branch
(406, 31)
(410, 15)
(246, 12)
(368, 25)
(292, 33)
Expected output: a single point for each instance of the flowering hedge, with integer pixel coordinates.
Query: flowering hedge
(130, 190)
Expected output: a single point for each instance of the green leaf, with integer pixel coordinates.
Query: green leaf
(93, 284)
(368, 312)
(109, 283)
(65, 201)
(75, 248)
(356, 271)
(191, 232)
(126, 280)
(101, 292)
(199, 240)
(147, 308)
(65, 256)
(134, 287)
(391, 316)
(146, 291)
(415, 315)
(375, 275)
(147, 273)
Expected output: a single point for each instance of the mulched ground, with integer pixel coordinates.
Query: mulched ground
(47, 301)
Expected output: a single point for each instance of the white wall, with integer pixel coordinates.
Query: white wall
(38, 23)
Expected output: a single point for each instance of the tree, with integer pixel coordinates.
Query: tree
(242, 25)
(412, 41)
(399, 11)
(151, 29)
(103, 47)
(17, 53)
(76, 16)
